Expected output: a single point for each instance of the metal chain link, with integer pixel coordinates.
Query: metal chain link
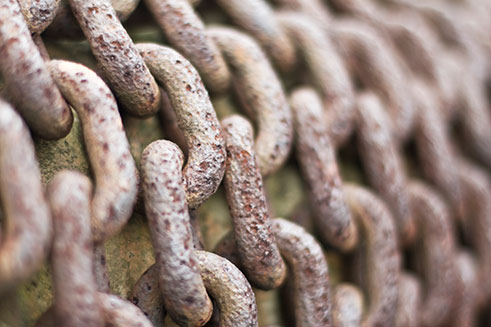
(397, 80)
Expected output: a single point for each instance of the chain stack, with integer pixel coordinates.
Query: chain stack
(403, 86)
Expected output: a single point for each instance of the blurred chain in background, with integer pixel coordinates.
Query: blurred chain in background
(365, 125)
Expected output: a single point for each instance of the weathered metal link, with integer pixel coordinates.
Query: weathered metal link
(467, 265)
(165, 205)
(437, 254)
(254, 239)
(347, 308)
(379, 255)
(408, 301)
(77, 300)
(316, 155)
(170, 123)
(476, 119)
(147, 296)
(121, 313)
(27, 79)
(26, 230)
(230, 290)
(38, 14)
(327, 71)
(196, 118)
(187, 33)
(257, 18)
(382, 163)
(65, 25)
(369, 83)
(261, 94)
(309, 272)
(477, 220)
(120, 61)
(107, 146)
(434, 149)
(308, 269)
(369, 57)
(75, 288)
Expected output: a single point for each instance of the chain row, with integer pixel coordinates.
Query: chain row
(418, 72)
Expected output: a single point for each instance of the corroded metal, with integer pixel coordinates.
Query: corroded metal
(261, 94)
(254, 238)
(106, 143)
(26, 230)
(27, 79)
(372, 86)
(165, 205)
(120, 61)
(195, 117)
(315, 152)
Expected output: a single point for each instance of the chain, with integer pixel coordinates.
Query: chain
(393, 81)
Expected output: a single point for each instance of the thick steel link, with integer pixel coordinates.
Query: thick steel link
(436, 254)
(257, 18)
(195, 117)
(27, 79)
(26, 230)
(309, 273)
(75, 288)
(254, 239)
(38, 14)
(379, 257)
(187, 33)
(236, 305)
(165, 205)
(347, 306)
(382, 162)
(117, 56)
(317, 158)
(327, 71)
(77, 300)
(393, 52)
(261, 94)
(107, 146)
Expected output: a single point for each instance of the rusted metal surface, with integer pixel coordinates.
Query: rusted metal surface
(26, 229)
(254, 238)
(308, 269)
(120, 61)
(27, 79)
(165, 205)
(76, 300)
(382, 163)
(106, 144)
(327, 70)
(187, 33)
(257, 18)
(437, 254)
(261, 93)
(315, 152)
(38, 14)
(347, 306)
(379, 255)
(390, 122)
(195, 117)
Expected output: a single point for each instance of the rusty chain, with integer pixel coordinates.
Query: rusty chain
(402, 86)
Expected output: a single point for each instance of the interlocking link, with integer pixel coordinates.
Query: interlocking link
(26, 229)
(195, 117)
(27, 79)
(120, 61)
(385, 104)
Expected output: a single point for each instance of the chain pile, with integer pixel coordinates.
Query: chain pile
(404, 83)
